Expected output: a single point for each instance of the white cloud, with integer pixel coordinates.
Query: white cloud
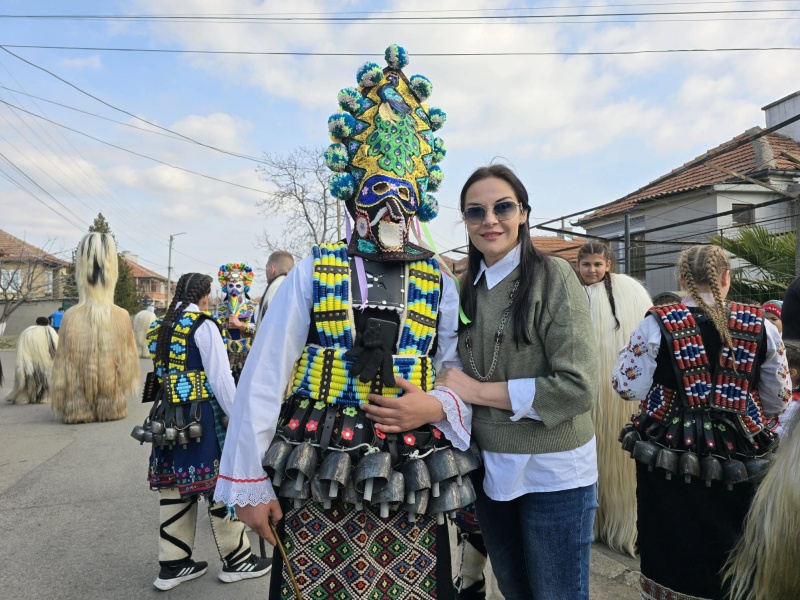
(218, 129)
(88, 62)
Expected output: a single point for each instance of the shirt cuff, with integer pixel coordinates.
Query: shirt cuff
(457, 424)
(244, 492)
(521, 392)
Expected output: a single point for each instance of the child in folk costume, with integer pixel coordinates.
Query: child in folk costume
(185, 429)
(96, 364)
(764, 563)
(618, 303)
(36, 347)
(358, 331)
(772, 312)
(704, 372)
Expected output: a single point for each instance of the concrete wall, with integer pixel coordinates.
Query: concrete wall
(25, 315)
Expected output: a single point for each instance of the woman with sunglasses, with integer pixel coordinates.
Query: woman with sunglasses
(530, 373)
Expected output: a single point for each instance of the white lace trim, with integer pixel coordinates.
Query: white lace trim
(457, 424)
(240, 493)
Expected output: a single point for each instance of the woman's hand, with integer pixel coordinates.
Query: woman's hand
(235, 323)
(258, 518)
(458, 381)
(411, 410)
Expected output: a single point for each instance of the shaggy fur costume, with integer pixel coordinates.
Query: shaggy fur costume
(96, 364)
(615, 519)
(765, 564)
(36, 348)
(141, 325)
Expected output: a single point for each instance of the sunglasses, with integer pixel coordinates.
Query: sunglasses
(475, 215)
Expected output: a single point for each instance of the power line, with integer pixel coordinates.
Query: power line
(130, 114)
(139, 154)
(370, 54)
(349, 19)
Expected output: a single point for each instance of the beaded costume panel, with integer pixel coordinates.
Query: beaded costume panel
(323, 372)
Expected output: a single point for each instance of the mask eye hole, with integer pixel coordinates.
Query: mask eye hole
(403, 193)
(381, 188)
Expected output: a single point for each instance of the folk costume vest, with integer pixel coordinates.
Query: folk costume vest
(185, 423)
(711, 425)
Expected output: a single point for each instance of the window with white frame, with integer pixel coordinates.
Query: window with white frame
(744, 214)
(9, 280)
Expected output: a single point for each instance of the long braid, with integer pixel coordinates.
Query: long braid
(705, 265)
(590, 248)
(191, 287)
(610, 294)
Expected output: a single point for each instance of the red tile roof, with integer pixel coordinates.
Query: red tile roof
(140, 272)
(14, 248)
(742, 160)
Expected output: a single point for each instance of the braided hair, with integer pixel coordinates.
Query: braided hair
(190, 289)
(590, 248)
(705, 265)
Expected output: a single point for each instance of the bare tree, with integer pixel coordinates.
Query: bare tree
(300, 183)
(27, 273)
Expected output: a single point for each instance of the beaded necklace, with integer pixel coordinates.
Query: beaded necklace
(498, 339)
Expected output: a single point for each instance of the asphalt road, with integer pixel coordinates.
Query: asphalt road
(78, 521)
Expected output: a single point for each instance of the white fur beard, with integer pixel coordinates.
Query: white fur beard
(390, 235)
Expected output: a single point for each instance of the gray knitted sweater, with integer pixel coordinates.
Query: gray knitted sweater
(562, 358)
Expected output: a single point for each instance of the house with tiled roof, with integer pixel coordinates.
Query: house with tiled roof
(565, 247)
(697, 201)
(31, 283)
(151, 286)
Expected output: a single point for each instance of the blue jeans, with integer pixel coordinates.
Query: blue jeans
(539, 544)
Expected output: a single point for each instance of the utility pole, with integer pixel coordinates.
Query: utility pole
(169, 267)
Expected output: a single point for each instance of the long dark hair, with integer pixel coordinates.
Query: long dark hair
(530, 257)
(590, 248)
(190, 289)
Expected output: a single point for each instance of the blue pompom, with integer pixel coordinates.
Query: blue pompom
(369, 75)
(336, 157)
(350, 100)
(421, 86)
(396, 56)
(439, 150)
(341, 125)
(428, 209)
(342, 186)
(437, 117)
(435, 176)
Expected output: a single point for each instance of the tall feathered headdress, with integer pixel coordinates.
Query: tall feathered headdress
(385, 157)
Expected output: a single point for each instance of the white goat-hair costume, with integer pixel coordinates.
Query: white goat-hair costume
(765, 563)
(96, 364)
(141, 325)
(36, 347)
(615, 519)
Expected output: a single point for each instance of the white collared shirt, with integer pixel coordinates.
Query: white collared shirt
(510, 476)
(215, 361)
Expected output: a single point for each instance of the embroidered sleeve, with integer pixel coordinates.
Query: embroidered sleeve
(457, 425)
(633, 375)
(244, 492)
(775, 384)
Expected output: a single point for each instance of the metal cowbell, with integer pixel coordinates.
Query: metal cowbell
(157, 427)
(418, 507)
(138, 433)
(334, 473)
(372, 474)
(391, 496)
(625, 431)
(756, 468)
(629, 441)
(442, 467)
(448, 500)
(733, 472)
(288, 490)
(318, 492)
(196, 431)
(301, 464)
(275, 458)
(466, 461)
(416, 477)
(667, 460)
(689, 466)
(710, 470)
(646, 453)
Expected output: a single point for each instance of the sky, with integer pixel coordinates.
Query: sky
(581, 129)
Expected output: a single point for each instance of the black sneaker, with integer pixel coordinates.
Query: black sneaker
(250, 569)
(170, 577)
